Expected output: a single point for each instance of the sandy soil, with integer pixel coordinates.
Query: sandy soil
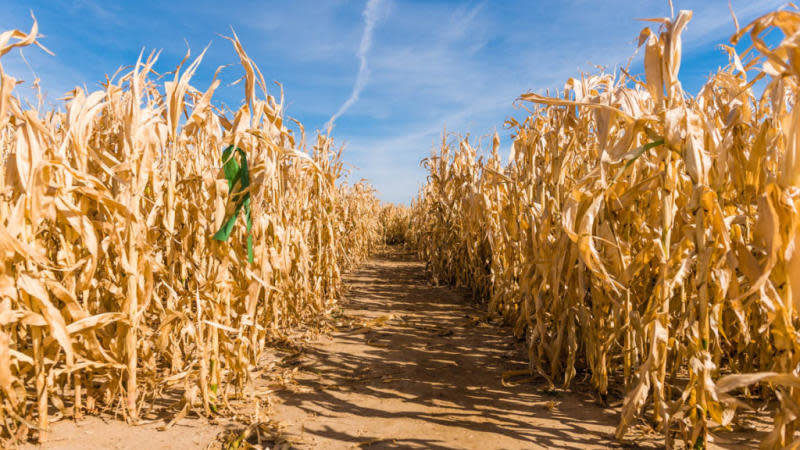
(409, 365)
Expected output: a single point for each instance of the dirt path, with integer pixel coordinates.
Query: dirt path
(430, 377)
(410, 366)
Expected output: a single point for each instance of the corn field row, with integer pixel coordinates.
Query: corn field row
(395, 224)
(139, 258)
(643, 237)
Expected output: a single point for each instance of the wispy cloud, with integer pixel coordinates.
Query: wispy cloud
(710, 23)
(371, 15)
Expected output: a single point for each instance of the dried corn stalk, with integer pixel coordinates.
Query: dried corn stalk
(112, 290)
(395, 223)
(640, 234)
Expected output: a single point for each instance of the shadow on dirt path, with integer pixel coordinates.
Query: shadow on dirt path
(428, 375)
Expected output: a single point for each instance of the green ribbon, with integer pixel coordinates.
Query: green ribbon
(238, 177)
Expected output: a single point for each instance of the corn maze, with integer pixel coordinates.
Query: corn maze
(639, 236)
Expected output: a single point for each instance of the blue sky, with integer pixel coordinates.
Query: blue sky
(430, 64)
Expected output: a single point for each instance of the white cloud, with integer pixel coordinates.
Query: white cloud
(371, 12)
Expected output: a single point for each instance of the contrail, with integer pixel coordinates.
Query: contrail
(370, 18)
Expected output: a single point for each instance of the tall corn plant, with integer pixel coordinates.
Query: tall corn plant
(642, 235)
(113, 288)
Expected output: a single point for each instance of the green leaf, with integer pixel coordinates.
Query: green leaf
(238, 177)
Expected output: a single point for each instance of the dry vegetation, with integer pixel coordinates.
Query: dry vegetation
(643, 237)
(639, 236)
(395, 222)
(117, 282)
